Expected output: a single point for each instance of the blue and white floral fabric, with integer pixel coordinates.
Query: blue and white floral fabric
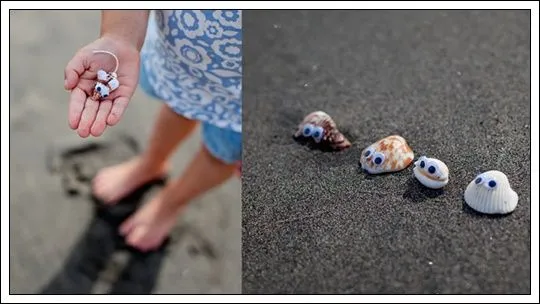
(193, 61)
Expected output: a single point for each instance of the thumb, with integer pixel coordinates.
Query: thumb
(73, 71)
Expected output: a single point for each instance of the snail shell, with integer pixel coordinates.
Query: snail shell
(431, 172)
(105, 84)
(319, 128)
(490, 193)
(390, 154)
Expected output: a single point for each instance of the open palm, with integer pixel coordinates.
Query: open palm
(86, 115)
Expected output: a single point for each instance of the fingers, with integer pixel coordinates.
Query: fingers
(117, 110)
(101, 118)
(76, 107)
(92, 117)
(88, 117)
(73, 71)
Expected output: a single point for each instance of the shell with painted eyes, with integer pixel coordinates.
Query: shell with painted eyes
(431, 172)
(321, 129)
(105, 84)
(490, 193)
(390, 154)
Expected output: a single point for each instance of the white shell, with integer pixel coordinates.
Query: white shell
(102, 75)
(104, 90)
(482, 197)
(114, 84)
(437, 179)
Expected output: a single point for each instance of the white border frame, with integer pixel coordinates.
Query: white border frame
(533, 5)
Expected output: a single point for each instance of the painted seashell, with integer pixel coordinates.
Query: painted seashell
(431, 172)
(390, 154)
(321, 129)
(105, 84)
(490, 193)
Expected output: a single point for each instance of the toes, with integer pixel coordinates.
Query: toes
(102, 187)
(141, 237)
(98, 187)
(127, 226)
(138, 237)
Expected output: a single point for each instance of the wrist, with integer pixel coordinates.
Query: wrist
(122, 39)
(127, 27)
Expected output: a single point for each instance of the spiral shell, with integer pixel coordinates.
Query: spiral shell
(490, 193)
(320, 129)
(105, 84)
(431, 172)
(390, 154)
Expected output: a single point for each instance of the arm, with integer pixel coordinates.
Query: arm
(129, 26)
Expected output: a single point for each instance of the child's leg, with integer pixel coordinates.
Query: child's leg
(113, 183)
(214, 163)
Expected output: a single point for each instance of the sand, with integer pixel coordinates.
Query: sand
(61, 243)
(455, 84)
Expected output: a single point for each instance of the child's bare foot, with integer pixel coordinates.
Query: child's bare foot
(113, 183)
(152, 223)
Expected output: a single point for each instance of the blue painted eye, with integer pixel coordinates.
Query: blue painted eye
(318, 134)
(98, 89)
(369, 151)
(478, 180)
(492, 184)
(431, 169)
(422, 164)
(105, 95)
(378, 158)
(308, 130)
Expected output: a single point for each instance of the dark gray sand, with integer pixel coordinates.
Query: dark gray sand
(455, 84)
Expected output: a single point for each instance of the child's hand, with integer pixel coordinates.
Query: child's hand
(86, 115)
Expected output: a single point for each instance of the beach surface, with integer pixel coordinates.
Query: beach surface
(454, 84)
(59, 241)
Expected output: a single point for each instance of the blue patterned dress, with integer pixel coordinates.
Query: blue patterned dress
(192, 60)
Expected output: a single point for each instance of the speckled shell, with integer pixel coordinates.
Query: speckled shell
(331, 137)
(397, 155)
(484, 199)
(435, 180)
(105, 84)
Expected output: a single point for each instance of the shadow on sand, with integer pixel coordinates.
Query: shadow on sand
(95, 248)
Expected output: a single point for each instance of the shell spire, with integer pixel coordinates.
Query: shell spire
(321, 130)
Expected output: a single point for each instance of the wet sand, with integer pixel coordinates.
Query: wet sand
(63, 244)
